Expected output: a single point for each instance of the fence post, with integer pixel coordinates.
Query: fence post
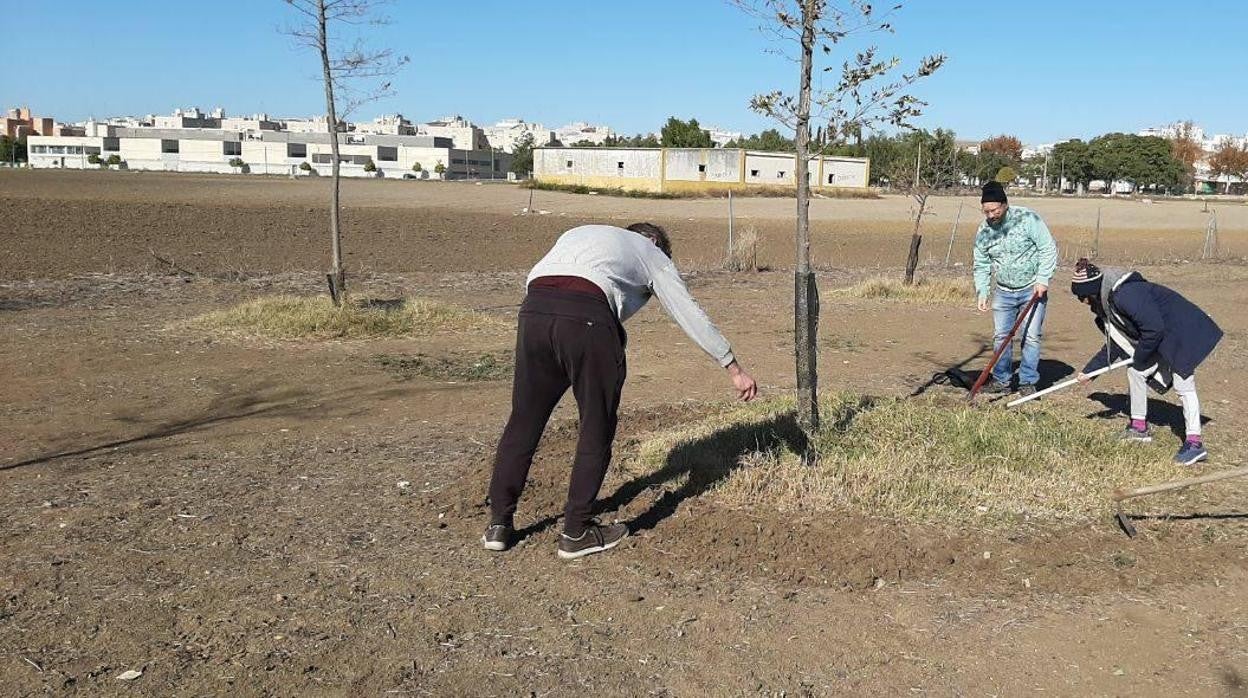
(1096, 240)
(953, 233)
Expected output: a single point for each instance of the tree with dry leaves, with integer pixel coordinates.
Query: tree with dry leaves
(1008, 147)
(1230, 160)
(863, 91)
(1187, 150)
(349, 71)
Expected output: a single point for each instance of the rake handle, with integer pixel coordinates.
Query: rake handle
(1067, 383)
(996, 355)
(1120, 495)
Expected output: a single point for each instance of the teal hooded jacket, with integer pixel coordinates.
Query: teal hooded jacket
(1020, 252)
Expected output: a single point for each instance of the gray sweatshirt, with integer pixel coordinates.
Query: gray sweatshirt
(629, 268)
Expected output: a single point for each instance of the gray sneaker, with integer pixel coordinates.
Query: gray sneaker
(595, 539)
(497, 537)
(1134, 435)
(996, 387)
(1027, 389)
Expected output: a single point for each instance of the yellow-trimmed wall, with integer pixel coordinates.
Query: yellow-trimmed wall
(603, 182)
(649, 169)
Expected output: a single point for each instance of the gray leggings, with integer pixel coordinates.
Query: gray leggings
(1137, 382)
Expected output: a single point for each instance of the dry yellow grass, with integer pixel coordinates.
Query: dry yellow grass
(927, 291)
(301, 317)
(916, 460)
(744, 250)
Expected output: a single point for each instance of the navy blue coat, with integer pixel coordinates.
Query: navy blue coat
(1163, 326)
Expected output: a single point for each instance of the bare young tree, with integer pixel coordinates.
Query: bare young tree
(934, 169)
(353, 73)
(862, 95)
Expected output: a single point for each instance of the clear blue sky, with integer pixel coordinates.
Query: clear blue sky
(1042, 71)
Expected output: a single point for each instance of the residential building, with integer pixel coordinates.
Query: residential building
(19, 123)
(1170, 131)
(1208, 142)
(579, 131)
(387, 125)
(255, 122)
(969, 147)
(1030, 151)
(691, 169)
(313, 124)
(465, 134)
(721, 137)
(505, 134)
(187, 118)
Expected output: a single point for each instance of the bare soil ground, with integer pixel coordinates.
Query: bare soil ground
(277, 518)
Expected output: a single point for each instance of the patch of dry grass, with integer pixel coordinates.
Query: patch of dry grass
(917, 460)
(744, 255)
(927, 291)
(303, 317)
(467, 367)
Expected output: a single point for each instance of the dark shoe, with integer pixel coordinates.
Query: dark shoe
(1191, 454)
(595, 539)
(1144, 436)
(1027, 389)
(996, 387)
(497, 537)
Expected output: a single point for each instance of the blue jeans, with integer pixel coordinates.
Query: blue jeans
(1006, 305)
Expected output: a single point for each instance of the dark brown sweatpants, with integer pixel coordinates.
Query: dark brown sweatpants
(563, 339)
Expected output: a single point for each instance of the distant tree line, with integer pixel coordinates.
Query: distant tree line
(911, 158)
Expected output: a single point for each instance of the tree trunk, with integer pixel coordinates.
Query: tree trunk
(337, 275)
(916, 239)
(806, 292)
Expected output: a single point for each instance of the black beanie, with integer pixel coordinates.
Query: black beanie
(1086, 281)
(994, 192)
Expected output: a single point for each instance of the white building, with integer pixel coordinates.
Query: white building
(465, 134)
(1208, 142)
(312, 124)
(690, 169)
(387, 125)
(255, 122)
(1030, 151)
(264, 152)
(721, 137)
(580, 131)
(187, 118)
(506, 133)
(1171, 131)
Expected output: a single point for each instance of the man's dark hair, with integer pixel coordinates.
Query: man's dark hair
(655, 233)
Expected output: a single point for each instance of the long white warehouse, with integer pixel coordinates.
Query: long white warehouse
(264, 152)
(691, 169)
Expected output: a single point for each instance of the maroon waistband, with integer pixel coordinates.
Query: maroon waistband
(568, 283)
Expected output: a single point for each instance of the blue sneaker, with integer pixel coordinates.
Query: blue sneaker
(1191, 454)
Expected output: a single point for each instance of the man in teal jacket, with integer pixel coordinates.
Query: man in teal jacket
(1014, 245)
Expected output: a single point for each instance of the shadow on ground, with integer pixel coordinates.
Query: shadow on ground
(260, 400)
(705, 461)
(1159, 411)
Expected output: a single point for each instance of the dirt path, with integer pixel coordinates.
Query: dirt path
(62, 223)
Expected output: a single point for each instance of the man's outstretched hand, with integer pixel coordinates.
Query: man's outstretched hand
(744, 384)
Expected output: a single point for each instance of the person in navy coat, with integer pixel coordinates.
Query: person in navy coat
(1165, 335)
